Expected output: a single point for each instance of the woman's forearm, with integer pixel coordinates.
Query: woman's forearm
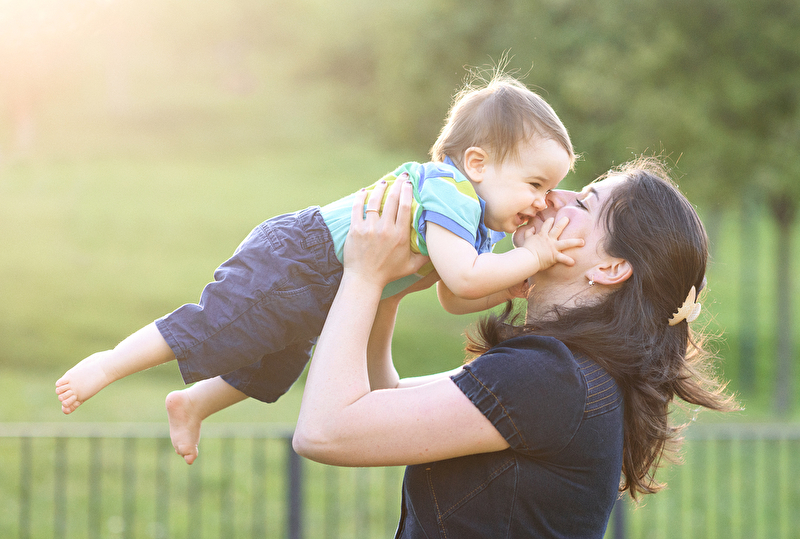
(380, 367)
(337, 376)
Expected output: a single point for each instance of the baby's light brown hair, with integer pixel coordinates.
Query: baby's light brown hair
(497, 115)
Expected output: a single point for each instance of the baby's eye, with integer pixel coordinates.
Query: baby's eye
(580, 204)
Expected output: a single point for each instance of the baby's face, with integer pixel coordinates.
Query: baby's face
(515, 190)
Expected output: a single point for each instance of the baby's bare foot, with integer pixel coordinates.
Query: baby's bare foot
(184, 425)
(82, 381)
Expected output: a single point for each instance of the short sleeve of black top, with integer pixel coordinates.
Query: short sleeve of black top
(563, 419)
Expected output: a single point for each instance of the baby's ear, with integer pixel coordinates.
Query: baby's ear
(612, 271)
(475, 161)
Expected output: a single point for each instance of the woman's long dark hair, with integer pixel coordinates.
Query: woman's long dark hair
(650, 224)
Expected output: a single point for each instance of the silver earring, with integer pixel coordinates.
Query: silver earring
(591, 280)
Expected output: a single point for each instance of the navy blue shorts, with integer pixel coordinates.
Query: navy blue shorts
(258, 321)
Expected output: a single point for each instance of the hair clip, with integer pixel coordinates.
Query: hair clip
(689, 311)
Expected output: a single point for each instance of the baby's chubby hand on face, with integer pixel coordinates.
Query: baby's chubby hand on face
(519, 235)
(542, 238)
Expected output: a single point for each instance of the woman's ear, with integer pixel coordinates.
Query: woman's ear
(611, 272)
(475, 161)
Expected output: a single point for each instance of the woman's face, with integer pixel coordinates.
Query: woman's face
(584, 210)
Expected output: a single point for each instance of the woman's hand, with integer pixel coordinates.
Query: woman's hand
(378, 243)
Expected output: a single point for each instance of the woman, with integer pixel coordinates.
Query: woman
(532, 437)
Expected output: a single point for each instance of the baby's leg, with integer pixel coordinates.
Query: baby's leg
(144, 349)
(188, 408)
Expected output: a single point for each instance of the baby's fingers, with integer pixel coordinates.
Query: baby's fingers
(546, 228)
(564, 259)
(559, 227)
(523, 232)
(570, 243)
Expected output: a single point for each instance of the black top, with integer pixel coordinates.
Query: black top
(563, 418)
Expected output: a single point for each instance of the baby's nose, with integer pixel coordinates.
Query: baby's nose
(540, 203)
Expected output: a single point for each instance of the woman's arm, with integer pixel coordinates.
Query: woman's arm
(380, 366)
(382, 373)
(341, 420)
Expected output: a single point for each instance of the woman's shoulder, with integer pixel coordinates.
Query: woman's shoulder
(534, 352)
(532, 389)
(548, 356)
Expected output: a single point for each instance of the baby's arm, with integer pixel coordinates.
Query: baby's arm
(456, 305)
(471, 276)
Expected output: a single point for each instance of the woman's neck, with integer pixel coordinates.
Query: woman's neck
(545, 297)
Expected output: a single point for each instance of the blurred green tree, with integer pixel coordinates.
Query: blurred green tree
(737, 70)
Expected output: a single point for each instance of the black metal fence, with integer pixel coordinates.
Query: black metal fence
(124, 481)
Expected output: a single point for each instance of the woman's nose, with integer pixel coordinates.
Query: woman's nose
(555, 199)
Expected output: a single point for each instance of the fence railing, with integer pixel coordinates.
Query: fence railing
(124, 481)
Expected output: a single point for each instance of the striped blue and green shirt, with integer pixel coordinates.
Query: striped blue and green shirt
(442, 195)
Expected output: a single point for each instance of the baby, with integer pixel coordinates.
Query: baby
(501, 151)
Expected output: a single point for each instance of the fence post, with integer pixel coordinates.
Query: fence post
(129, 489)
(163, 454)
(294, 518)
(94, 514)
(25, 487)
(60, 489)
(618, 519)
(258, 519)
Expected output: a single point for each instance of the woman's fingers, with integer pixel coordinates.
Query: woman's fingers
(406, 198)
(390, 202)
(378, 244)
(397, 205)
(395, 221)
(375, 198)
(357, 213)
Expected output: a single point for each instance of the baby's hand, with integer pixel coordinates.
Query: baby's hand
(519, 290)
(545, 244)
(522, 232)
